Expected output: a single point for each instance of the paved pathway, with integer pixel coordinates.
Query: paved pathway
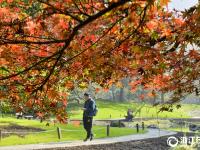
(152, 133)
(194, 119)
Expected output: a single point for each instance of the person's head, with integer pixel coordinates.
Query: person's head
(86, 96)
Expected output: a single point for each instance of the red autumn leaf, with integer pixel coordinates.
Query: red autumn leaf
(77, 64)
(63, 24)
(164, 2)
(16, 49)
(15, 78)
(9, 1)
(106, 89)
(69, 84)
(133, 90)
(40, 114)
(3, 62)
(42, 53)
(31, 26)
(29, 103)
(125, 47)
(97, 90)
(63, 94)
(141, 96)
(179, 21)
(93, 38)
(194, 54)
(64, 103)
(61, 119)
(52, 94)
(152, 25)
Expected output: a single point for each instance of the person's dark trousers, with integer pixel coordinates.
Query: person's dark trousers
(87, 123)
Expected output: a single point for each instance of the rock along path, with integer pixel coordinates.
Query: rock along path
(152, 133)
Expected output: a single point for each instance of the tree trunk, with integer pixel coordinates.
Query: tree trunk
(162, 98)
(121, 94)
(113, 93)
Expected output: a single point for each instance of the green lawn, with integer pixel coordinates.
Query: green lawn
(185, 147)
(109, 109)
(51, 134)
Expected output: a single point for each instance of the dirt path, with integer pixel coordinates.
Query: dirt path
(76, 145)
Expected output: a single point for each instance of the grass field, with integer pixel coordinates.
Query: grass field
(50, 134)
(109, 109)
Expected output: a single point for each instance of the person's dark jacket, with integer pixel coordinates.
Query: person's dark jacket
(90, 108)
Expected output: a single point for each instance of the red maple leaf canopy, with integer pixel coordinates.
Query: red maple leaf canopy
(46, 45)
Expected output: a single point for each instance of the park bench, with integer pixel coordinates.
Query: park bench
(194, 127)
(29, 117)
(19, 115)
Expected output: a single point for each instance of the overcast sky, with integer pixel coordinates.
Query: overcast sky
(182, 4)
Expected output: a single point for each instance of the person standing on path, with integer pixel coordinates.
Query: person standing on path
(88, 113)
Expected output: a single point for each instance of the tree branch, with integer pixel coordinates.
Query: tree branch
(67, 42)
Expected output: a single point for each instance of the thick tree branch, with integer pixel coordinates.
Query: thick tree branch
(29, 68)
(8, 41)
(81, 25)
(67, 42)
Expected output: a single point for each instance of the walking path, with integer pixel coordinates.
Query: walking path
(152, 133)
(193, 119)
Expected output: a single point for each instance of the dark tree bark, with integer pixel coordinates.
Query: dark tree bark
(121, 94)
(162, 98)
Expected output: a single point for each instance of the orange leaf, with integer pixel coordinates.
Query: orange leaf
(133, 90)
(16, 49)
(64, 103)
(42, 53)
(97, 90)
(152, 25)
(93, 38)
(52, 94)
(9, 1)
(3, 62)
(69, 84)
(166, 32)
(106, 89)
(31, 26)
(141, 96)
(40, 114)
(29, 103)
(164, 2)
(179, 21)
